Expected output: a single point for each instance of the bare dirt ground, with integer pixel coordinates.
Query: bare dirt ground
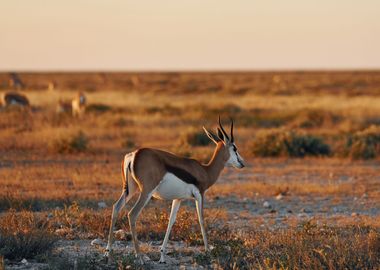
(270, 194)
(308, 199)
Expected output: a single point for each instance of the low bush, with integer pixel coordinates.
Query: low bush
(24, 235)
(194, 138)
(72, 144)
(314, 119)
(128, 143)
(98, 108)
(299, 145)
(276, 143)
(363, 144)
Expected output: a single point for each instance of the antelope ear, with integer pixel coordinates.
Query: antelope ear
(211, 136)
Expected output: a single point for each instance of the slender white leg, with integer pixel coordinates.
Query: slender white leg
(199, 206)
(117, 207)
(133, 214)
(173, 215)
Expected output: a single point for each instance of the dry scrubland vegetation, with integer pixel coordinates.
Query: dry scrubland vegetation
(313, 138)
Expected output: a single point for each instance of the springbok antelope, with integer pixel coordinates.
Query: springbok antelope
(163, 175)
(15, 81)
(78, 104)
(14, 98)
(63, 106)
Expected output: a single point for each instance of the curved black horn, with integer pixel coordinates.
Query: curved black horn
(224, 132)
(232, 130)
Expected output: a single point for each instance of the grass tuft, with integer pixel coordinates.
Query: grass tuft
(24, 235)
(364, 144)
(276, 143)
(194, 138)
(73, 144)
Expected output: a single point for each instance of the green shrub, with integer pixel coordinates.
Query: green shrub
(128, 143)
(364, 144)
(306, 145)
(194, 138)
(73, 144)
(269, 144)
(284, 143)
(99, 108)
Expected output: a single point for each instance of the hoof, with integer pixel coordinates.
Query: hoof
(107, 253)
(108, 257)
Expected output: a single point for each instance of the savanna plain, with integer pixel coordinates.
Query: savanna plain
(309, 197)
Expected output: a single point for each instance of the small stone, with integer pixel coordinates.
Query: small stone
(266, 204)
(96, 242)
(354, 214)
(50, 215)
(279, 197)
(102, 205)
(24, 261)
(365, 196)
(305, 210)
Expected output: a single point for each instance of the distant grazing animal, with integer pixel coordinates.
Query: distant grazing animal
(51, 86)
(78, 104)
(15, 82)
(64, 107)
(14, 98)
(163, 175)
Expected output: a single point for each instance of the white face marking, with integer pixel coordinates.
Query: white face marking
(171, 187)
(235, 159)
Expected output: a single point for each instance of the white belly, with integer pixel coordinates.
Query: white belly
(171, 187)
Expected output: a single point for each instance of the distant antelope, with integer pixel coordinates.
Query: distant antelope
(78, 104)
(51, 86)
(14, 98)
(163, 175)
(15, 82)
(63, 106)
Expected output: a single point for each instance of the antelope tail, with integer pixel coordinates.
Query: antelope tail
(125, 170)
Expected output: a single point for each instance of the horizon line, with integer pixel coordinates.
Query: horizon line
(216, 70)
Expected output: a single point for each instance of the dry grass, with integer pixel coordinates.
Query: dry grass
(24, 235)
(48, 165)
(304, 245)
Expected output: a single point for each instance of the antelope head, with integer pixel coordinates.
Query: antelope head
(233, 158)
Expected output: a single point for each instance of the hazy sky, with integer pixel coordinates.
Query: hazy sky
(189, 34)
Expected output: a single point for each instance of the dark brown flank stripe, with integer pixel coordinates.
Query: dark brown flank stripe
(182, 174)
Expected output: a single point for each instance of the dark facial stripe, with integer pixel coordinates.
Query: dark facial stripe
(182, 174)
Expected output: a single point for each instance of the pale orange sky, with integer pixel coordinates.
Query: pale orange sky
(189, 34)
